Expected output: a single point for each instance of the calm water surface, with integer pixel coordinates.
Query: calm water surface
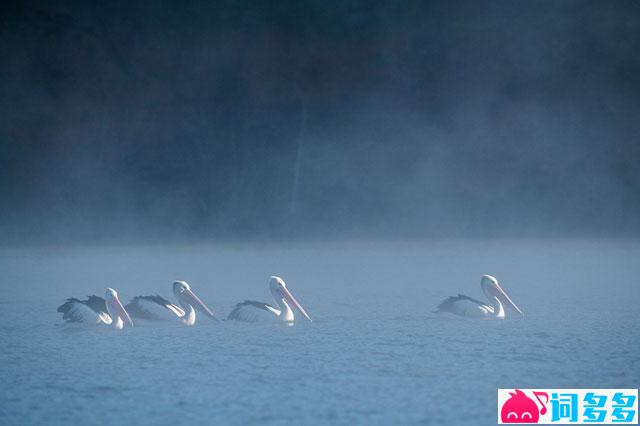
(375, 353)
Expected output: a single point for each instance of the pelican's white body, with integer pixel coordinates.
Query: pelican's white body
(84, 314)
(250, 313)
(167, 313)
(470, 308)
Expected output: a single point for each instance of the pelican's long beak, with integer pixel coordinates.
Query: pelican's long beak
(194, 301)
(119, 310)
(507, 300)
(289, 297)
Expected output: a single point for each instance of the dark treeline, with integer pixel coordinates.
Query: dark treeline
(207, 120)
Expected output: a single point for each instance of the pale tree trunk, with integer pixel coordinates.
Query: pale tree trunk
(295, 187)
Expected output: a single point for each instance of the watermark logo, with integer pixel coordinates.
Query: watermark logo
(568, 406)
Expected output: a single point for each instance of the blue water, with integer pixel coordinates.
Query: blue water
(375, 353)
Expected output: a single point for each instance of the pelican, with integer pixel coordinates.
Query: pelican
(252, 311)
(96, 310)
(157, 308)
(470, 307)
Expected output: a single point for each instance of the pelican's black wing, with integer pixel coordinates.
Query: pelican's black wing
(447, 303)
(96, 303)
(250, 309)
(94, 309)
(154, 308)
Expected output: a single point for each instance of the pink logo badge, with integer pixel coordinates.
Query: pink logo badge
(519, 408)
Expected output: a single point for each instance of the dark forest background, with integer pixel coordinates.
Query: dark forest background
(152, 121)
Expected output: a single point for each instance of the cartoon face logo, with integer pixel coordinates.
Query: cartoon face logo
(519, 408)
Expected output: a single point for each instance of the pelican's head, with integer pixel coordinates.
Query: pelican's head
(115, 308)
(180, 287)
(279, 290)
(185, 296)
(110, 294)
(276, 283)
(491, 288)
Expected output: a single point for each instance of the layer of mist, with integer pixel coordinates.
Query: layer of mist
(204, 121)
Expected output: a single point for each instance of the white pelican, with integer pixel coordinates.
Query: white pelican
(96, 310)
(252, 311)
(156, 308)
(470, 307)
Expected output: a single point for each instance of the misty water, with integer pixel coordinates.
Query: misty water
(374, 354)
